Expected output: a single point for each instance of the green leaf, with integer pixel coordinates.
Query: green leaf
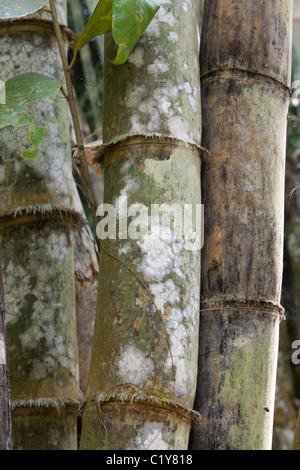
(20, 91)
(127, 19)
(28, 87)
(17, 9)
(130, 19)
(8, 117)
(36, 137)
(99, 23)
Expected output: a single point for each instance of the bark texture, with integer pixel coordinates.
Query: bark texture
(5, 411)
(143, 369)
(36, 234)
(245, 69)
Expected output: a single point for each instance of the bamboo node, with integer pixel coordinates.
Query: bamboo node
(219, 70)
(131, 393)
(58, 403)
(242, 304)
(50, 211)
(148, 139)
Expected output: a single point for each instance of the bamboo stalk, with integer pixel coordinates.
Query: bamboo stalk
(87, 65)
(91, 4)
(36, 225)
(86, 277)
(5, 409)
(245, 67)
(144, 359)
(86, 180)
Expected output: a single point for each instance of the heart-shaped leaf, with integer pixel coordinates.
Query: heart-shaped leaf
(20, 91)
(130, 19)
(17, 9)
(29, 87)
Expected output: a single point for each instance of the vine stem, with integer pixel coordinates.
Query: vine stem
(86, 180)
(153, 302)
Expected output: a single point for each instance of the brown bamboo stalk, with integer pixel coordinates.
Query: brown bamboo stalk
(5, 411)
(245, 67)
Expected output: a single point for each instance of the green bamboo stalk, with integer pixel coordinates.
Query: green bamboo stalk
(36, 228)
(87, 65)
(143, 369)
(91, 4)
(245, 67)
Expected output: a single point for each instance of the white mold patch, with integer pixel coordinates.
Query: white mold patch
(152, 110)
(165, 293)
(159, 66)
(186, 5)
(125, 249)
(166, 104)
(161, 257)
(133, 366)
(150, 437)
(179, 128)
(136, 126)
(193, 103)
(131, 187)
(126, 166)
(173, 37)
(165, 15)
(32, 292)
(186, 87)
(177, 300)
(169, 91)
(137, 57)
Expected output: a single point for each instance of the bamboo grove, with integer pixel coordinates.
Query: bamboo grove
(133, 342)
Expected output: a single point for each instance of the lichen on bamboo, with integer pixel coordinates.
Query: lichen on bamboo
(151, 155)
(36, 236)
